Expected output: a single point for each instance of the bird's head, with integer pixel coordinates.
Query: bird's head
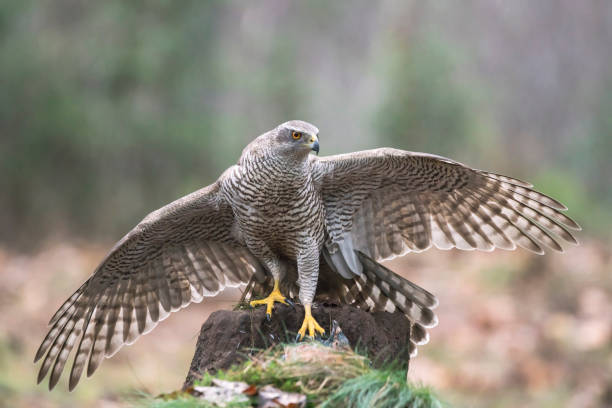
(296, 137)
(292, 140)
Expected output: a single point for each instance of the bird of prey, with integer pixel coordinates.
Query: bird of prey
(289, 223)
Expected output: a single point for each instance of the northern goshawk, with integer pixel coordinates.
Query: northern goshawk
(291, 223)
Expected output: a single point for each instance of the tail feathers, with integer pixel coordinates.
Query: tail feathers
(396, 282)
(415, 302)
(377, 288)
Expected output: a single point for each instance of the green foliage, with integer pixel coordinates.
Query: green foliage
(105, 121)
(587, 188)
(285, 367)
(112, 109)
(328, 377)
(425, 108)
(384, 389)
(594, 160)
(587, 205)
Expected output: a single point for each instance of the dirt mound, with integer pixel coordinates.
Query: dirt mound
(228, 337)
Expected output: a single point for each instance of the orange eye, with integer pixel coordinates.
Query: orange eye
(296, 135)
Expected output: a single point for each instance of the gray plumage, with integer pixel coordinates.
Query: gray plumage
(281, 213)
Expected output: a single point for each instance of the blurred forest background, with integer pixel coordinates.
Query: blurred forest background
(109, 110)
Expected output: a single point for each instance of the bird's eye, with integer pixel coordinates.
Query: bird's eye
(296, 135)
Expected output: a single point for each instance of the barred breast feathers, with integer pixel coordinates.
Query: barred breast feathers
(276, 202)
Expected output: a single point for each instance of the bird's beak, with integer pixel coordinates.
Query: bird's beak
(314, 144)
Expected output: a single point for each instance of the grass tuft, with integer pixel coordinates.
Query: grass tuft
(382, 389)
(329, 378)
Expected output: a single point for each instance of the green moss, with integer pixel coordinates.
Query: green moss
(328, 377)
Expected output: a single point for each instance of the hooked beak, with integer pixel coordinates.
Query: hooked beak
(314, 144)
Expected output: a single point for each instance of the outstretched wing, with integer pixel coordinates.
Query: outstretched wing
(386, 202)
(176, 255)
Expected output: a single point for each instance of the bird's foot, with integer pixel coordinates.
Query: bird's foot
(275, 296)
(309, 324)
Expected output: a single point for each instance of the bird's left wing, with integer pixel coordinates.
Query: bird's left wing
(386, 202)
(176, 255)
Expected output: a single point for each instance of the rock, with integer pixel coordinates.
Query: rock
(221, 393)
(228, 337)
(270, 397)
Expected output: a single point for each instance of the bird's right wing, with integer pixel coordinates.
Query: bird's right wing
(176, 255)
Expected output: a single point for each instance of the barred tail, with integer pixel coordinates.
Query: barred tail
(377, 288)
(397, 293)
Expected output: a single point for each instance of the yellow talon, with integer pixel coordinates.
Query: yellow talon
(309, 323)
(274, 296)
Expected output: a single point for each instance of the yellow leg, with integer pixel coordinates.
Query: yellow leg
(274, 296)
(309, 323)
